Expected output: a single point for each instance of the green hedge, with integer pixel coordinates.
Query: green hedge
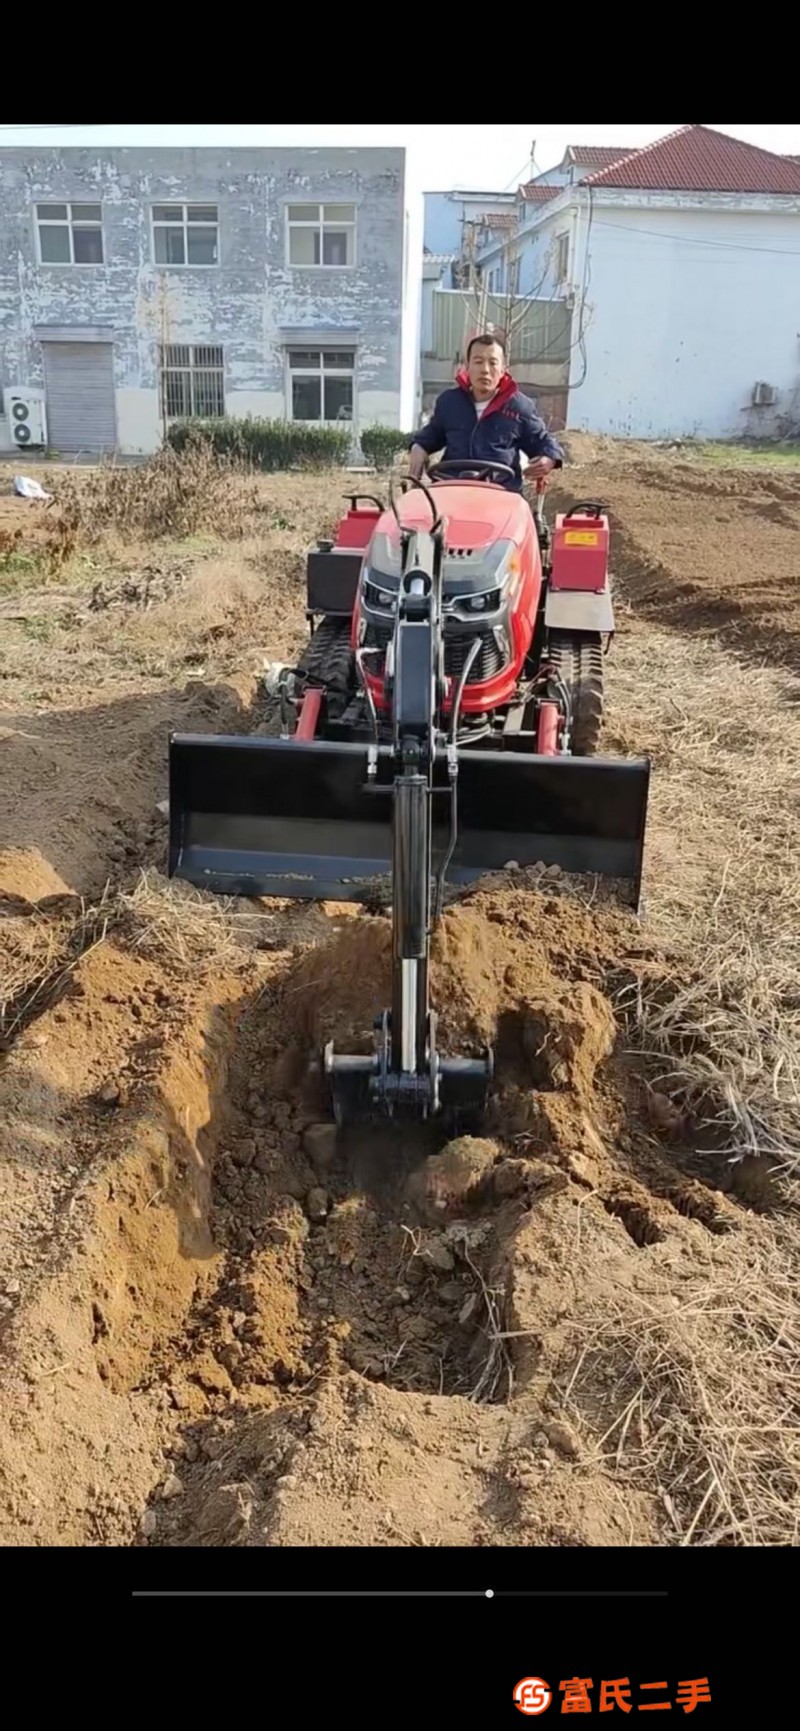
(274, 445)
(382, 444)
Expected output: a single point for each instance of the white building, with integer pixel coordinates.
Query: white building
(142, 286)
(680, 264)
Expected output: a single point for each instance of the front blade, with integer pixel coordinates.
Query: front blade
(282, 817)
(584, 814)
(277, 817)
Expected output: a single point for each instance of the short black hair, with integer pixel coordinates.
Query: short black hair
(484, 341)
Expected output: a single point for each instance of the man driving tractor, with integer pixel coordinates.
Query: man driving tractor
(485, 417)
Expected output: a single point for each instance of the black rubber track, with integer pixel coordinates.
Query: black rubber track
(329, 658)
(578, 659)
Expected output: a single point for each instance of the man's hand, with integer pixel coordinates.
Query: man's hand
(540, 466)
(417, 460)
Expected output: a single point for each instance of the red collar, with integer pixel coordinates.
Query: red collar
(505, 389)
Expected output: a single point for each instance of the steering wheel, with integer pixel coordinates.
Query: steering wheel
(475, 468)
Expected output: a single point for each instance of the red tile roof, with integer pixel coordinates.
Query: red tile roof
(498, 219)
(596, 156)
(535, 194)
(697, 159)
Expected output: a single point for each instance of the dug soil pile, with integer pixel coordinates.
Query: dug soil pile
(249, 1330)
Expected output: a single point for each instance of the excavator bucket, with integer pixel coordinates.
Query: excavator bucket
(282, 817)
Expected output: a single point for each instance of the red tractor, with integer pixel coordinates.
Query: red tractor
(443, 719)
(525, 619)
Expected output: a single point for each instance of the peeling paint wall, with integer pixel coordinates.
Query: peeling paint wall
(245, 303)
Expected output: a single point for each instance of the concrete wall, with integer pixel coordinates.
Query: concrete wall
(426, 314)
(535, 245)
(245, 303)
(688, 305)
(446, 212)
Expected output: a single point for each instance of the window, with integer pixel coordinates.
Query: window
(322, 234)
(70, 233)
(513, 277)
(562, 258)
(186, 234)
(321, 384)
(192, 381)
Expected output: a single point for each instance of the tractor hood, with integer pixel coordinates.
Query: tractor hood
(465, 570)
(474, 515)
(484, 529)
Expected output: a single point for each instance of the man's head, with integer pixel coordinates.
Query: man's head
(486, 364)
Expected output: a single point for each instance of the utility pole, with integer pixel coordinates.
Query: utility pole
(355, 459)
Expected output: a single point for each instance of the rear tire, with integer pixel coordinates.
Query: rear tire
(578, 659)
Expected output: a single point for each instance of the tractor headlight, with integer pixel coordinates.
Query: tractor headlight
(488, 602)
(375, 596)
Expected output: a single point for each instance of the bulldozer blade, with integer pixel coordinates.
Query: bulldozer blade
(584, 814)
(282, 817)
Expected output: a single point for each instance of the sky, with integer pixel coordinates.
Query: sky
(485, 157)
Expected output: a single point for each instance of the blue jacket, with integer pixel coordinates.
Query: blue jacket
(509, 425)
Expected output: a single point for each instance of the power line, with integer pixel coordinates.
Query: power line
(516, 178)
(693, 240)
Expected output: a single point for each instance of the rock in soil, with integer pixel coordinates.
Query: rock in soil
(172, 1487)
(437, 1255)
(319, 1143)
(317, 1205)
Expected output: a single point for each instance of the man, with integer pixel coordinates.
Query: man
(485, 417)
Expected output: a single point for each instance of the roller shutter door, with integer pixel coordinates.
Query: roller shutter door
(79, 382)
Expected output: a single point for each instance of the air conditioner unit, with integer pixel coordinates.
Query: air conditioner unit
(763, 395)
(26, 419)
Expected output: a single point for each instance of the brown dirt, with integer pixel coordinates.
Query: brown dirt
(706, 549)
(222, 1324)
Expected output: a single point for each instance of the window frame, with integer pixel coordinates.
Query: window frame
(350, 371)
(319, 226)
(184, 225)
(562, 257)
(192, 368)
(69, 223)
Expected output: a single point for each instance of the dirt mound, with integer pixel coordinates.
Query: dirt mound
(241, 1257)
(79, 800)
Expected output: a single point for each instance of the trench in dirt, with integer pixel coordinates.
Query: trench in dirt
(238, 1329)
(236, 1284)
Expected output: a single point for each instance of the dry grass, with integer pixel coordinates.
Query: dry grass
(171, 496)
(730, 1051)
(182, 928)
(721, 882)
(200, 624)
(187, 928)
(705, 1389)
(131, 608)
(41, 948)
